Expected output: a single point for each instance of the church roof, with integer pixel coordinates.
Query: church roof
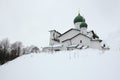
(94, 34)
(76, 36)
(55, 31)
(68, 31)
(79, 18)
(83, 35)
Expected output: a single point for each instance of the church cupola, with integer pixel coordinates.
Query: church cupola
(78, 20)
(83, 27)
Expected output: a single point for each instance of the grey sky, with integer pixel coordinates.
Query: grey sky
(30, 20)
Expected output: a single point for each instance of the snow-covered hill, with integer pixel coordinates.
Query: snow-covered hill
(86, 64)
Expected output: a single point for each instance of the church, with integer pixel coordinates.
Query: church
(75, 38)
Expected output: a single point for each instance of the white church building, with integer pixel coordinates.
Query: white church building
(75, 38)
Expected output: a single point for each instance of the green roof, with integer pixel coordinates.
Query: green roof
(83, 24)
(79, 18)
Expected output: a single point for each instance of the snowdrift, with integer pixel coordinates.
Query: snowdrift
(89, 64)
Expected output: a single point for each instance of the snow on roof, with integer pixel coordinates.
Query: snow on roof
(72, 46)
(83, 35)
(68, 31)
(56, 45)
(55, 31)
(76, 36)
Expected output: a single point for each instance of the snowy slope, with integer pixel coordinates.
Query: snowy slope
(86, 64)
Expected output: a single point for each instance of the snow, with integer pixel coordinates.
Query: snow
(87, 64)
(19, 19)
(113, 40)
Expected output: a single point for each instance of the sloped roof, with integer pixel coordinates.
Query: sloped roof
(94, 34)
(68, 31)
(76, 36)
(55, 31)
(83, 35)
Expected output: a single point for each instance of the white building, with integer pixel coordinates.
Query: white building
(75, 38)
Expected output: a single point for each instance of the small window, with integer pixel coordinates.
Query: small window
(57, 49)
(80, 41)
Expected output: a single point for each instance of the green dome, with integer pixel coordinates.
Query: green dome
(83, 24)
(79, 18)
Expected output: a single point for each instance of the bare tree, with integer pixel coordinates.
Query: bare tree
(31, 49)
(17, 48)
(4, 50)
(11, 51)
(5, 45)
(35, 49)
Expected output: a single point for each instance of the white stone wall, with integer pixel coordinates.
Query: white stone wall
(77, 25)
(69, 35)
(66, 43)
(52, 42)
(56, 35)
(95, 44)
(84, 39)
(83, 30)
(90, 34)
(53, 35)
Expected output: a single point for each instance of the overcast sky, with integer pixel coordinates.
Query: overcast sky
(29, 21)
